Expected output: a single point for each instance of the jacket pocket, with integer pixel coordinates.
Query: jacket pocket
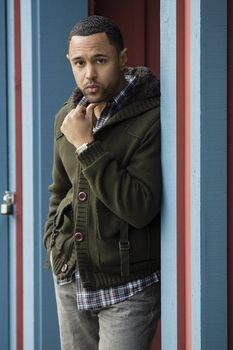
(108, 224)
(108, 233)
(140, 244)
(62, 236)
(61, 253)
(109, 256)
(63, 208)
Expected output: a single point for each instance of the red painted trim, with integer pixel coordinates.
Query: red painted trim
(18, 153)
(91, 7)
(152, 35)
(130, 17)
(183, 176)
(230, 174)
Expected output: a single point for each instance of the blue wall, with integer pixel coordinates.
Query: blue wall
(213, 121)
(52, 84)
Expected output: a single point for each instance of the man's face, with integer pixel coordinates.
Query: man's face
(97, 67)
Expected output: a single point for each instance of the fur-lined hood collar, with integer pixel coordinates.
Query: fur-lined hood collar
(146, 86)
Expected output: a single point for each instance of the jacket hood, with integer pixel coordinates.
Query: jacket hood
(146, 86)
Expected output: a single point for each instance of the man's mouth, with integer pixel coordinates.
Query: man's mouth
(92, 88)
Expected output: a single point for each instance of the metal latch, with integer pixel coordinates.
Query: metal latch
(8, 201)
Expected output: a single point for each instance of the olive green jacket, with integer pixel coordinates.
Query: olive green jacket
(104, 213)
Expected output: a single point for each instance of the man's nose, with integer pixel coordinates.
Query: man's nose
(90, 72)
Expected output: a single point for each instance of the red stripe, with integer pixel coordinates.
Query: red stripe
(18, 152)
(230, 174)
(183, 176)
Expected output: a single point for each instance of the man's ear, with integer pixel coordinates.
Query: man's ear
(123, 58)
(67, 56)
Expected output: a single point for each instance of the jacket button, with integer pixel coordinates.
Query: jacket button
(64, 268)
(82, 196)
(79, 236)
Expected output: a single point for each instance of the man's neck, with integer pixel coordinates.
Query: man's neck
(99, 108)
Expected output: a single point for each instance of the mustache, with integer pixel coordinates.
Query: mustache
(91, 84)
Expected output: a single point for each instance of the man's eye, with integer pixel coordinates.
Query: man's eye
(101, 60)
(79, 63)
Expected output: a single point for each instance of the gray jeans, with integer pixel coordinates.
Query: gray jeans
(124, 326)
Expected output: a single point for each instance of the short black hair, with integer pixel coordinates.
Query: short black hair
(98, 24)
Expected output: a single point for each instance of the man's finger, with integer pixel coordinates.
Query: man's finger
(80, 109)
(90, 112)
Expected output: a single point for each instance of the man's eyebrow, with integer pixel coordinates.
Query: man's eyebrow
(101, 54)
(94, 56)
(76, 58)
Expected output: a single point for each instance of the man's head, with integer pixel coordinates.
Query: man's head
(97, 58)
(98, 24)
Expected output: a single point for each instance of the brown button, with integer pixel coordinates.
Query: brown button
(64, 268)
(82, 196)
(79, 236)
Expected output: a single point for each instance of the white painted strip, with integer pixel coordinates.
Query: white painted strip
(195, 116)
(28, 200)
(168, 225)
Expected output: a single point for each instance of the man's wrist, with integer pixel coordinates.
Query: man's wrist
(83, 147)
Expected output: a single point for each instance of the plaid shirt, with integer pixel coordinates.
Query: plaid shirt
(101, 298)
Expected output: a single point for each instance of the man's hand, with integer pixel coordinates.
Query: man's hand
(77, 125)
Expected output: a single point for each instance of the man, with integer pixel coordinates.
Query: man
(103, 228)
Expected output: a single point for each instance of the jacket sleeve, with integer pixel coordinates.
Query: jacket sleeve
(58, 189)
(133, 193)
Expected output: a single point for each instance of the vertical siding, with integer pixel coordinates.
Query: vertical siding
(199, 219)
